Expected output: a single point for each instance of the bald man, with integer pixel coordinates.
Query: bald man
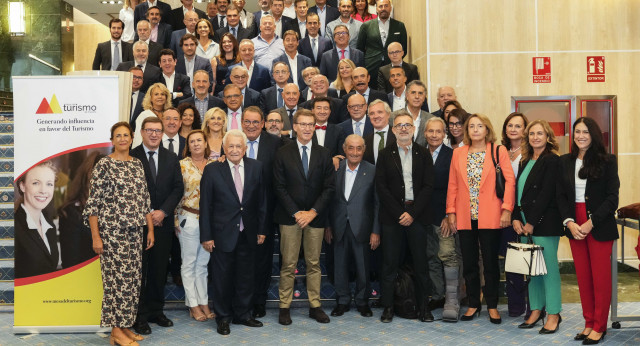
(395, 52)
(445, 93)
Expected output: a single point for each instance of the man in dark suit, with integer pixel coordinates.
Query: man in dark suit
(143, 30)
(212, 11)
(314, 45)
(374, 43)
(260, 78)
(304, 183)
(354, 226)
(445, 93)
(201, 98)
(262, 146)
(330, 136)
(246, 17)
(232, 206)
(160, 32)
(441, 242)
(190, 21)
(397, 80)
(151, 72)
(172, 121)
(272, 96)
(164, 181)
(325, 14)
(382, 136)
(137, 95)
(395, 54)
(234, 27)
(113, 52)
(220, 21)
(189, 59)
(281, 21)
(265, 8)
(298, 24)
(361, 78)
(404, 212)
(239, 77)
(291, 56)
(177, 83)
(320, 88)
(358, 122)
(140, 12)
(331, 58)
(176, 16)
(290, 95)
(346, 9)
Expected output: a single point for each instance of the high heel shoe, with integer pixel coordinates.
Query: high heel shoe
(589, 341)
(525, 325)
(549, 331)
(132, 335)
(580, 337)
(472, 316)
(201, 318)
(495, 320)
(115, 341)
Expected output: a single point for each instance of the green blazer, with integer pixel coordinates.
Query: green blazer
(370, 42)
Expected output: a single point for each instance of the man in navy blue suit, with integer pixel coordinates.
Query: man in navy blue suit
(296, 62)
(359, 122)
(188, 63)
(140, 12)
(232, 214)
(190, 21)
(136, 95)
(172, 121)
(314, 45)
(331, 58)
(325, 13)
(258, 74)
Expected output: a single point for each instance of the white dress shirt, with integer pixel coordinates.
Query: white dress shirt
(303, 28)
(581, 184)
(45, 226)
(293, 62)
(250, 69)
(349, 179)
(168, 81)
(176, 143)
(308, 145)
(376, 140)
(321, 134)
(399, 102)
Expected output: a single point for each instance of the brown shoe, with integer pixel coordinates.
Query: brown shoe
(318, 315)
(285, 317)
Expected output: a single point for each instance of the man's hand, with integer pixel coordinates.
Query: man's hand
(405, 219)
(374, 241)
(157, 216)
(208, 245)
(261, 239)
(304, 218)
(328, 235)
(336, 161)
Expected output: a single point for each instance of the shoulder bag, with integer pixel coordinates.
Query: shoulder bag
(500, 181)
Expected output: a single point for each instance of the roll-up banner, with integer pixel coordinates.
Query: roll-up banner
(61, 130)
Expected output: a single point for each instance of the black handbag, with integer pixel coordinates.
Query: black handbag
(500, 181)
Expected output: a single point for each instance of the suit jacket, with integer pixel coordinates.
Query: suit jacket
(410, 70)
(166, 191)
(330, 59)
(333, 93)
(333, 139)
(140, 12)
(360, 211)
(336, 106)
(242, 33)
(199, 64)
(458, 198)
(174, 44)
(538, 198)
(369, 155)
(136, 111)
(260, 78)
(347, 127)
(295, 192)
(31, 254)
(390, 184)
(439, 113)
(332, 13)
(154, 53)
(176, 17)
(303, 62)
(304, 48)
(440, 183)
(221, 210)
(601, 196)
(181, 143)
(247, 20)
(292, 24)
(150, 75)
(373, 95)
(213, 102)
(267, 149)
(269, 99)
(102, 58)
(251, 98)
(286, 123)
(425, 105)
(370, 42)
(181, 83)
(164, 35)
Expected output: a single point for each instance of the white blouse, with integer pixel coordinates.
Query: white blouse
(212, 51)
(126, 16)
(581, 184)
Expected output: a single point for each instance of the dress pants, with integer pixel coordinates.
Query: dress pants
(490, 246)
(291, 236)
(154, 272)
(592, 259)
(233, 277)
(194, 261)
(436, 270)
(344, 250)
(544, 290)
(264, 264)
(392, 250)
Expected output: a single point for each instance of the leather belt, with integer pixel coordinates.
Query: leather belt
(191, 210)
(408, 202)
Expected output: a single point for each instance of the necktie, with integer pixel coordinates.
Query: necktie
(116, 57)
(152, 165)
(291, 116)
(381, 143)
(314, 49)
(358, 132)
(222, 21)
(237, 181)
(342, 54)
(324, 127)
(233, 32)
(305, 161)
(171, 147)
(234, 121)
(280, 101)
(252, 152)
(266, 13)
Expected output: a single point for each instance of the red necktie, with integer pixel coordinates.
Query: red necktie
(341, 54)
(324, 127)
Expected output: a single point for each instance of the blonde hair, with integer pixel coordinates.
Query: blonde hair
(338, 82)
(146, 102)
(208, 115)
(491, 134)
(551, 146)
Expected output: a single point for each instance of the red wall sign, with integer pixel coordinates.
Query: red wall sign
(542, 69)
(595, 69)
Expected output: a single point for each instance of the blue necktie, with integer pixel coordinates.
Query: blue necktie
(305, 161)
(252, 152)
(233, 32)
(280, 101)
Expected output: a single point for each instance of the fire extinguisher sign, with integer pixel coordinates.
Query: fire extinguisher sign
(542, 70)
(595, 69)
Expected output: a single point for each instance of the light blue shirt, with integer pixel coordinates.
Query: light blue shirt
(322, 14)
(256, 145)
(201, 105)
(266, 52)
(347, 52)
(434, 154)
(349, 179)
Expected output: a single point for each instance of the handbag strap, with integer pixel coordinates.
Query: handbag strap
(496, 163)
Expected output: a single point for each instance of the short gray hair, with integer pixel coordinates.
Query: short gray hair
(435, 120)
(137, 43)
(234, 133)
(143, 21)
(241, 68)
(379, 101)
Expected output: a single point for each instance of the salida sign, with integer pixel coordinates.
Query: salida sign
(595, 69)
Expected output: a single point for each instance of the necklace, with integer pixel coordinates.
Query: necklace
(516, 149)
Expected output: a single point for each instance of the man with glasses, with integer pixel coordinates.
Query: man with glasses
(176, 16)
(303, 176)
(136, 95)
(331, 58)
(395, 54)
(353, 26)
(239, 77)
(358, 122)
(274, 125)
(233, 99)
(190, 21)
(272, 97)
(404, 183)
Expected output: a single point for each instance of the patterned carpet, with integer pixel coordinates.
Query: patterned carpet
(350, 329)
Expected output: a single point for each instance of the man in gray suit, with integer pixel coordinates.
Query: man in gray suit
(416, 94)
(355, 228)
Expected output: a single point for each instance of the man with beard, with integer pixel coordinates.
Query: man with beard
(151, 72)
(111, 53)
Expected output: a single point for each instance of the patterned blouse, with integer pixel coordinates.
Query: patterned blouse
(474, 174)
(118, 196)
(191, 176)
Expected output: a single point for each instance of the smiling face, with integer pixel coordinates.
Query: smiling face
(116, 30)
(313, 25)
(239, 78)
(274, 123)
(137, 79)
(384, 9)
(154, 16)
(234, 148)
(121, 139)
(379, 116)
(448, 110)
(322, 111)
(233, 98)
(291, 95)
(354, 150)
(361, 79)
(301, 10)
(216, 122)
(582, 137)
(341, 37)
(187, 117)
(537, 137)
(171, 121)
(455, 127)
(203, 29)
(319, 85)
(445, 94)
(37, 188)
(246, 50)
(151, 135)
(345, 70)
(397, 77)
(346, 8)
(305, 127)
(403, 128)
(515, 128)
(252, 124)
(416, 96)
(201, 84)
(357, 106)
(434, 133)
(291, 44)
(141, 53)
(267, 27)
(190, 21)
(158, 98)
(233, 18)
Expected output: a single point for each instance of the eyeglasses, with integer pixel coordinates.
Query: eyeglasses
(240, 76)
(357, 106)
(306, 124)
(276, 121)
(403, 126)
(137, 77)
(396, 52)
(249, 122)
(281, 72)
(456, 124)
(234, 96)
(153, 131)
(341, 33)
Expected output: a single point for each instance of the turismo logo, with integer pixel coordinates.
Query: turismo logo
(47, 107)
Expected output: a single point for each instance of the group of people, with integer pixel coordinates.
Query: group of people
(246, 126)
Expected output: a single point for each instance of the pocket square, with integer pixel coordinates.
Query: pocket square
(396, 33)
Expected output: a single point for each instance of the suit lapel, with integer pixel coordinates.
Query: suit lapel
(226, 175)
(396, 159)
(462, 164)
(341, 181)
(376, 31)
(357, 182)
(535, 170)
(488, 163)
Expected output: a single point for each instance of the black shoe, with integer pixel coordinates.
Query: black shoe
(365, 311)
(426, 316)
(472, 316)
(376, 304)
(588, 341)
(249, 323)
(436, 304)
(387, 315)
(285, 317)
(339, 310)
(525, 325)
(142, 327)
(223, 328)
(580, 337)
(259, 310)
(318, 315)
(549, 331)
(162, 321)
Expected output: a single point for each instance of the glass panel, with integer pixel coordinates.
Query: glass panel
(600, 111)
(557, 113)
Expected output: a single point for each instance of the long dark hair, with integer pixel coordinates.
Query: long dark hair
(462, 116)
(505, 139)
(596, 156)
